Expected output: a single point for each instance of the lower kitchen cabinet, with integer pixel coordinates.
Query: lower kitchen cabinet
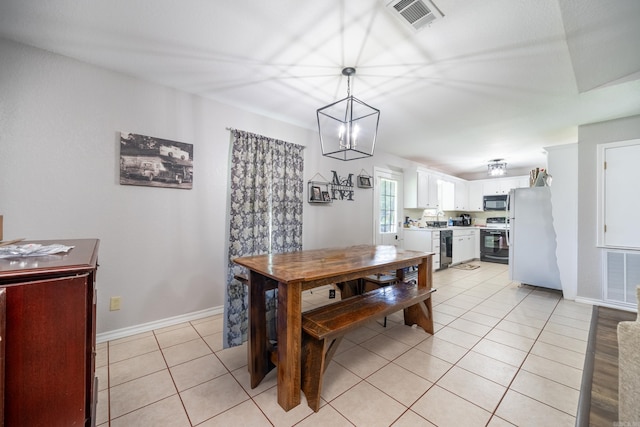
(424, 240)
(476, 245)
(464, 245)
(47, 327)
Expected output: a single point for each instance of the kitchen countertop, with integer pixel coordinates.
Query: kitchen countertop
(453, 227)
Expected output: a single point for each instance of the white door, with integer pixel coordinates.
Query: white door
(621, 202)
(387, 207)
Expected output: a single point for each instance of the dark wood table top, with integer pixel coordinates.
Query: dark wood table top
(81, 257)
(319, 265)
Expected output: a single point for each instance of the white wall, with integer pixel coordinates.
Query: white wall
(590, 284)
(163, 250)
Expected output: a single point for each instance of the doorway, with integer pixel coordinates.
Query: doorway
(387, 207)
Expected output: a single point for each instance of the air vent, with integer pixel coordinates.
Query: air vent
(416, 14)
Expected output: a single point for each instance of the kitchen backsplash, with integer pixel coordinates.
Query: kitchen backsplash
(478, 218)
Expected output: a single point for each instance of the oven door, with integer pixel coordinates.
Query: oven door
(494, 246)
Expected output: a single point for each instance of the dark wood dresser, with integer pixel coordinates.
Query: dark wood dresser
(48, 336)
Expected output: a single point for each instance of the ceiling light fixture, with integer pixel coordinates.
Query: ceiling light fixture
(349, 127)
(497, 167)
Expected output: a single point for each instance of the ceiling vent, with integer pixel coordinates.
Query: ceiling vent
(415, 13)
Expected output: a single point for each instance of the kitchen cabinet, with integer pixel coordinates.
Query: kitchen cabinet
(453, 195)
(464, 245)
(522, 182)
(420, 189)
(476, 193)
(476, 244)
(478, 188)
(424, 240)
(499, 186)
(504, 185)
(461, 196)
(48, 337)
(447, 195)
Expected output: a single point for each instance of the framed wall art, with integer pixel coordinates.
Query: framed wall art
(318, 190)
(155, 162)
(365, 180)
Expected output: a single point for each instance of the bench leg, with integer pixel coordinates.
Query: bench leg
(421, 315)
(316, 355)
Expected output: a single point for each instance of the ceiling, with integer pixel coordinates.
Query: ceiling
(491, 79)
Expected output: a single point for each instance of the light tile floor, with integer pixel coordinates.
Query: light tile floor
(503, 354)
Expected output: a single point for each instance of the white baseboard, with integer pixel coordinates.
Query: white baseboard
(157, 324)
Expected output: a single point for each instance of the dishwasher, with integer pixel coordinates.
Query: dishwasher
(446, 248)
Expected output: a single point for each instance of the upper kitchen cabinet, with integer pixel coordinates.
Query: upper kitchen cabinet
(482, 187)
(523, 181)
(498, 186)
(453, 195)
(420, 189)
(476, 191)
(504, 185)
(447, 195)
(461, 196)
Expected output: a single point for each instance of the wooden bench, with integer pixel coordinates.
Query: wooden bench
(324, 327)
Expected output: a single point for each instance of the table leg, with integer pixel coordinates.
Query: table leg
(422, 313)
(258, 353)
(425, 273)
(289, 344)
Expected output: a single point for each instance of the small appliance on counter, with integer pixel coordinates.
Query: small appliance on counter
(463, 221)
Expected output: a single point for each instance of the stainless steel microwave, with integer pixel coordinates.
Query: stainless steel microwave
(499, 202)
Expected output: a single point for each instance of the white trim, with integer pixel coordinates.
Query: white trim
(609, 304)
(380, 172)
(157, 324)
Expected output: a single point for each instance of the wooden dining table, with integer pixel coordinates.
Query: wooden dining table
(294, 272)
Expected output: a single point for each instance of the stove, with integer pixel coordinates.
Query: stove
(493, 241)
(498, 223)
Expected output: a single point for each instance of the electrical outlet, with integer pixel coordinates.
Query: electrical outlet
(115, 303)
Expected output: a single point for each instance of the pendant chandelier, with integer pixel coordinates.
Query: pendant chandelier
(497, 167)
(348, 128)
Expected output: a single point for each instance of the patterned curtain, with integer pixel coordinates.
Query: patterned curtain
(266, 199)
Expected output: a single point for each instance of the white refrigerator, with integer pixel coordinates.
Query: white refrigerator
(532, 238)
